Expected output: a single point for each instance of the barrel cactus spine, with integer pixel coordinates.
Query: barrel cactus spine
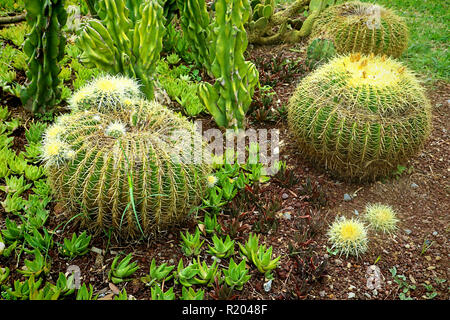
(362, 27)
(360, 116)
(124, 170)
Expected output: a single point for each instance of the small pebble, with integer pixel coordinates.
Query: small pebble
(268, 286)
(284, 196)
(414, 185)
(375, 292)
(435, 233)
(356, 212)
(338, 262)
(287, 216)
(408, 232)
(347, 197)
(351, 295)
(322, 293)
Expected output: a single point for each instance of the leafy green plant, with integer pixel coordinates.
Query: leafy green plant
(84, 293)
(45, 48)
(48, 292)
(127, 40)
(186, 275)
(121, 271)
(320, 51)
(15, 185)
(157, 274)
(76, 246)
(13, 231)
(37, 241)
(159, 294)
(66, 285)
(259, 255)
(222, 249)
(21, 289)
(4, 274)
(191, 244)
(210, 223)
(38, 266)
(206, 274)
(35, 131)
(236, 274)
(12, 203)
(403, 285)
(191, 294)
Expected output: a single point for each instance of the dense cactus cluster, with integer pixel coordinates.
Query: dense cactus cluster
(135, 170)
(360, 116)
(362, 27)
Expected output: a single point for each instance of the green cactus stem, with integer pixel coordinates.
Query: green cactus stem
(127, 40)
(45, 48)
(229, 98)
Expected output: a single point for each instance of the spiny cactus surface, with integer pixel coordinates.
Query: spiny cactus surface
(360, 116)
(127, 171)
(362, 27)
(111, 93)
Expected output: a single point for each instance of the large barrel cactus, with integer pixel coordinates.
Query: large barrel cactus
(362, 27)
(134, 171)
(360, 116)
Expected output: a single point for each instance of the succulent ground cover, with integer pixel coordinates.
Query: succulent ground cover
(269, 240)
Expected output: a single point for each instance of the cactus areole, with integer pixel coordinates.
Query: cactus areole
(133, 171)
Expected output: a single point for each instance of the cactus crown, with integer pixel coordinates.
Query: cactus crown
(105, 94)
(134, 170)
(362, 115)
(362, 27)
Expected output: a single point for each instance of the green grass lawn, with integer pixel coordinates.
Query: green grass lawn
(428, 22)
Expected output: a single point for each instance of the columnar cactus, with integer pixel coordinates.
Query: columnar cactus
(127, 40)
(195, 23)
(45, 48)
(135, 171)
(362, 27)
(360, 116)
(229, 98)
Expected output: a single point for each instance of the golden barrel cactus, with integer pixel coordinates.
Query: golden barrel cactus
(360, 116)
(362, 27)
(134, 171)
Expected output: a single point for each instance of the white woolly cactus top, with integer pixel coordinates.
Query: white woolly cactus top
(381, 217)
(348, 236)
(105, 94)
(116, 129)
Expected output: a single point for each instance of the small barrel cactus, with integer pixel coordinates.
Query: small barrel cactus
(110, 93)
(134, 171)
(360, 116)
(320, 51)
(362, 27)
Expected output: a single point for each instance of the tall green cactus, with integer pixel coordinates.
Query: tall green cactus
(126, 171)
(229, 98)
(195, 23)
(127, 40)
(45, 48)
